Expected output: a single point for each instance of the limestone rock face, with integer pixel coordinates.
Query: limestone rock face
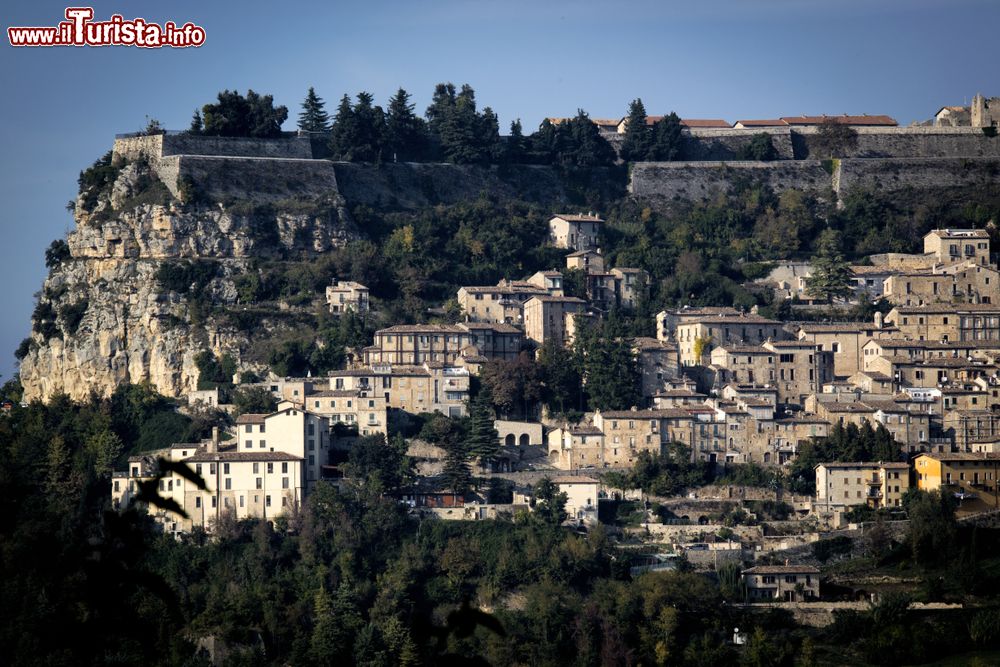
(131, 330)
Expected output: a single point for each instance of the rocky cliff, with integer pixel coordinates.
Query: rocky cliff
(103, 317)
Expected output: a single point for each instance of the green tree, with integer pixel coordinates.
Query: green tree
(406, 133)
(57, 253)
(369, 126)
(932, 529)
(234, 115)
(381, 466)
(513, 385)
(343, 133)
(667, 139)
(760, 148)
(550, 503)
(561, 377)
(831, 275)
(515, 150)
(833, 139)
(638, 142)
(611, 373)
(313, 117)
(456, 472)
(580, 144)
(253, 400)
(197, 125)
(483, 440)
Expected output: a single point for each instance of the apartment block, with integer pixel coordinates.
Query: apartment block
(840, 486)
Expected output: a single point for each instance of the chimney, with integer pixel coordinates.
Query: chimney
(878, 320)
(212, 446)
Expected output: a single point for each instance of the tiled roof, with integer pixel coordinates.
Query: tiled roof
(775, 122)
(702, 122)
(782, 569)
(251, 418)
(578, 217)
(573, 479)
(224, 457)
(864, 119)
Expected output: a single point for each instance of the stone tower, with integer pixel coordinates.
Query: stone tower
(985, 112)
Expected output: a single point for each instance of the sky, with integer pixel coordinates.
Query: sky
(729, 59)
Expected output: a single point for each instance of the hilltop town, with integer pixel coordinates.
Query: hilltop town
(751, 359)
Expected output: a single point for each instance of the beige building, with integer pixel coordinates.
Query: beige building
(545, 317)
(953, 245)
(344, 295)
(589, 261)
(948, 322)
(275, 461)
(414, 344)
(550, 281)
(796, 368)
(959, 471)
(502, 303)
(788, 583)
(365, 410)
(840, 486)
(576, 232)
(658, 364)
(845, 340)
(581, 497)
(965, 282)
(576, 446)
(429, 387)
(705, 333)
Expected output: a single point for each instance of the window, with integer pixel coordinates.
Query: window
(260, 483)
(284, 466)
(241, 501)
(267, 501)
(211, 468)
(197, 468)
(312, 460)
(284, 482)
(790, 579)
(229, 483)
(213, 502)
(256, 467)
(225, 468)
(248, 444)
(197, 502)
(270, 468)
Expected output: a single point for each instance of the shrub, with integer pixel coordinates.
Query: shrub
(57, 253)
(23, 349)
(72, 314)
(98, 179)
(182, 277)
(44, 320)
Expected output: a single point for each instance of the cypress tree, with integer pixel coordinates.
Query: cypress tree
(514, 151)
(343, 134)
(313, 117)
(483, 438)
(196, 124)
(637, 142)
(456, 472)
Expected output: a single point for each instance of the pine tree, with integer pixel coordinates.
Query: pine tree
(343, 134)
(406, 133)
(666, 144)
(369, 121)
(514, 151)
(545, 143)
(196, 124)
(637, 142)
(456, 472)
(313, 117)
(831, 276)
(483, 438)
(582, 145)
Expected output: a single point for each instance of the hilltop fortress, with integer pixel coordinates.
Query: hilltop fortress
(959, 147)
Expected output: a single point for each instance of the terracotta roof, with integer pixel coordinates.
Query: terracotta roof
(557, 299)
(775, 122)
(845, 119)
(422, 328)
(701, 122)
(960, 456)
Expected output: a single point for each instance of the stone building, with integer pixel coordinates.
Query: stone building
(797, 368)
(428, 387)
(501, 303)
(545, 317)
(965, 282)
(414, 344)
(954, 245)
(788, 583)
(845, 340)
(705, 332)
(575, 231)
(947, 322)
(985, 112)
(344, 295)
(840, 486)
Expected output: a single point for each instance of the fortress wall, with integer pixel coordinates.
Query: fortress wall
(725, 144)
(260, 179)
(918, 173)
(703, 180)
(155, 146)
(666, 181)
(909, 142)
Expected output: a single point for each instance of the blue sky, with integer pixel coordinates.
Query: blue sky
(726, 59)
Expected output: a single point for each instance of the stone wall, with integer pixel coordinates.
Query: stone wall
(908, 142)
(249, 178)
(704, 180)
(918, 173)
(156, 146)
(665, 182)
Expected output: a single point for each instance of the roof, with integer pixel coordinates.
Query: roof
(702, 122)
(862, 269)
(203, 456)
(573, 479)
(782, 569)
(771, 122)
(959, 456)
(556, 299)
(644, 414)
(578, 217)
(581, 253)
(844, 119)
(960, 233)
(251, 418)
(725, 318)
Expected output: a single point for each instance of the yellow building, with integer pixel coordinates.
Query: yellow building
(957, 471)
